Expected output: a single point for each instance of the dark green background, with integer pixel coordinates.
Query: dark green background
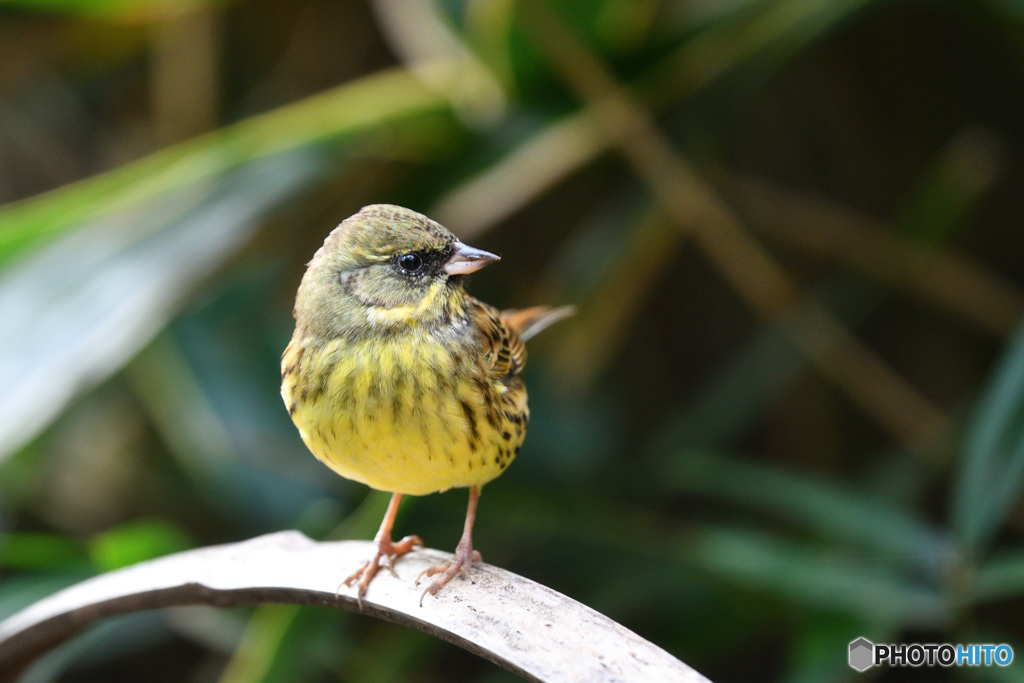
(788, 414)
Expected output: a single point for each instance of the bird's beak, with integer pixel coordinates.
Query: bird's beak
(465, 260)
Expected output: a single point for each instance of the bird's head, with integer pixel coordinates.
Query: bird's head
(386, 267)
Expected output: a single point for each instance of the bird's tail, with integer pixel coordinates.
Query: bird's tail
(529, 321)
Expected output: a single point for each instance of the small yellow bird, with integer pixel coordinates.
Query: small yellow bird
(398, 379)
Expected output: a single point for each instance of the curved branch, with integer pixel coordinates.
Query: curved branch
(514, 622)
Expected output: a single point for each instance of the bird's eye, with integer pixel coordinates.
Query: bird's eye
(410, 263)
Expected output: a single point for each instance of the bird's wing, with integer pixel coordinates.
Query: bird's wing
(505, 333)
(501, 344)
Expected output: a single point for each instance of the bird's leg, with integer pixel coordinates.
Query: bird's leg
(464, 553)
(387, 550)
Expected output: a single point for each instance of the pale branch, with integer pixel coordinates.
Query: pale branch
(514, 622)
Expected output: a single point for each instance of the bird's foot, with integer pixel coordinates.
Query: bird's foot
(387, 553)
(463, 558)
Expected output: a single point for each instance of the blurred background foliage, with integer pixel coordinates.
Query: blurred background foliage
(789, 413)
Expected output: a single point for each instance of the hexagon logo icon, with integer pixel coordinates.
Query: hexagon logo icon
(862, 654)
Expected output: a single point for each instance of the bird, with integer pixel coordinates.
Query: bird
(398, 379)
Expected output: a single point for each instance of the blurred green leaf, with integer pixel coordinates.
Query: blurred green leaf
(359, 107)
(951, 187)
(224, 473)
(79, 309)
(992, 461)
(762, 34)
(137, 541)
(113, 9)
(27, 550)
(833, 512)
(260, 649)
(818, 577)
(1000, 577)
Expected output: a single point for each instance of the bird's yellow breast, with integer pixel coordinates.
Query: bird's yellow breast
(405, 413)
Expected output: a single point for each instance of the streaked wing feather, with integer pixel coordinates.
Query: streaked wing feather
(502, 346)
(505, 333)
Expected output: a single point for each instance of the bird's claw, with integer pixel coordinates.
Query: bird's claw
(463, 558)
(387, 553)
